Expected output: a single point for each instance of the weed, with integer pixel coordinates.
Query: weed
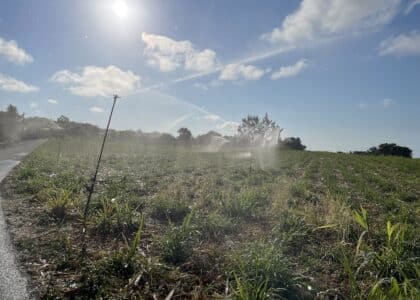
(249, 204)
(262, 271)
(214, 227)
(172, 209)
(176, 244)
(58, 204)
(292, 231)
(393, 268)
(113, 217)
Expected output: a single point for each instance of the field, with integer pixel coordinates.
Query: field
(181, 223)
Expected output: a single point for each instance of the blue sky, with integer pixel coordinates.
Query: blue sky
(342, 75)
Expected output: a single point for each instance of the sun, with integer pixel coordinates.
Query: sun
(120, 8)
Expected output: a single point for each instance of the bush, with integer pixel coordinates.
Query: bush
(292, 143)
(391, 149)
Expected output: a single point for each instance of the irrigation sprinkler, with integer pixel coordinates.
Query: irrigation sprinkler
(92, 185)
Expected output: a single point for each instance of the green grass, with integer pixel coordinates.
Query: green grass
(278, 224)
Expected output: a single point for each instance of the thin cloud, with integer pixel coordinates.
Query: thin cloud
(401, 45)
(52, 101)
(212, 117)
(290, 71)
(10, 84)
(13, 53)
(168, 55)
(387, 103)
(227, 126)
(322, 19)
(255, 57)
(411, 6)
(200, 85)
(241, 71)
(96, 109)
(363, 105)
(178, 120)
(245, 60)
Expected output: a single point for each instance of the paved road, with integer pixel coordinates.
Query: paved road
(12, 283)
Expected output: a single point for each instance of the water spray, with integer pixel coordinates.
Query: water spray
(92, 185)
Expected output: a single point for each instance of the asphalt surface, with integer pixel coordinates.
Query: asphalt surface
(13, 285)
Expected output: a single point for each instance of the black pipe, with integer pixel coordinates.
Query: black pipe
(92, 186)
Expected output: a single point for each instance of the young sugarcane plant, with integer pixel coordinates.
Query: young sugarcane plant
(93, 182)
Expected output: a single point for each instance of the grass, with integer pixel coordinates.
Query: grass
(189, 224)
(261, 271)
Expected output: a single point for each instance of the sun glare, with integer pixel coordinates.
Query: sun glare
(120, 8)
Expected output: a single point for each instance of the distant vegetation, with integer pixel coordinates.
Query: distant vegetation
(11, 124)
(252, 132)
(292, 144)
(15, 126)
(391, 149)
(388, 150)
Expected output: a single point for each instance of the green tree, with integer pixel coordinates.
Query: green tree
(391, 149)
(255, 131)
(184, 135)
(11, 124)
(293, 143)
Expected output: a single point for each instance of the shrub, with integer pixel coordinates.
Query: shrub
(292, 143)
(391, 149)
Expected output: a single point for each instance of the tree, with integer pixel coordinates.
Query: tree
(391, 149)
(63, 121)
(292, 143)
(11, 124)
(167, 139)
(184, 135)
(256, 131)
(12, 110)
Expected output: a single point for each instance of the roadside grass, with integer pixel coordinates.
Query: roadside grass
(181, 223)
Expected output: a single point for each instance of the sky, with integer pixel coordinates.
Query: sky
(342, 75)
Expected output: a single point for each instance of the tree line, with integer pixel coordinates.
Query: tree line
(253, 131)
(387, 149)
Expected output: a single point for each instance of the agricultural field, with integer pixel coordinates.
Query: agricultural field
(181, 223)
